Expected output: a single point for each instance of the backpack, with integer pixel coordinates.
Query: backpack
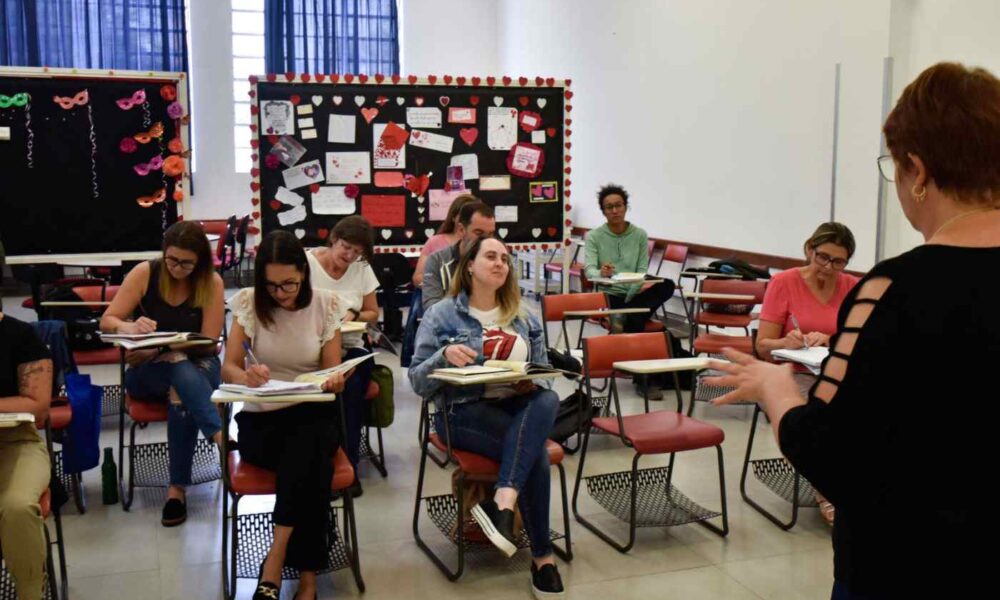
(83, 325)
(738, 266)
(575, 413)
(383, 407)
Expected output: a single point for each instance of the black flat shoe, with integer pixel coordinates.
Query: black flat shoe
(265, 589)
(174, 513)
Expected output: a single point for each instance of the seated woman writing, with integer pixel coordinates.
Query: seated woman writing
(290, 329)
(482, 318)
(178, 292)
(801, 305)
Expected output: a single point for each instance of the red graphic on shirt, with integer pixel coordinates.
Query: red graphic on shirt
(497, 344)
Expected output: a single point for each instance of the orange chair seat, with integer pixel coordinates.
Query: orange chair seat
(723, 319)
(249, 479)
(46, 503)
(477, 464)
(59, 416)
(711, 343)
(663, 431)
(102, 356)
(146, 411)
(373, 390)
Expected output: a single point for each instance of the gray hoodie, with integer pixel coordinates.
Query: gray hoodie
(438, 271)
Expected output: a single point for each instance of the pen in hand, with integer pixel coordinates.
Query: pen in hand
(795, 323)
(257, 374)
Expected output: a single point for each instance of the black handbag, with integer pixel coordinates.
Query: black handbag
(574, 416)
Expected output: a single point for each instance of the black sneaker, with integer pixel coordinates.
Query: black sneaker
(498, 525)
(174, 513)
(545, 582)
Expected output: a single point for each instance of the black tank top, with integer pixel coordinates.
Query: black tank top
(183, 317)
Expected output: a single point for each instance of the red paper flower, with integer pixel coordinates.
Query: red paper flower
(176, 146)
(352, 191)
(168, 93)
(128, 145)
(271, 161)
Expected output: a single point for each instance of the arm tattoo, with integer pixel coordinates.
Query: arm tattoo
(34, 377)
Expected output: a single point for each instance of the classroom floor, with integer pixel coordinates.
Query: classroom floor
(113, 554)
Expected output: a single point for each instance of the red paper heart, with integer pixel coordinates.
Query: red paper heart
(395, 78)
(305, 77)
(447, 186)
(568, 207)
(253, 127)
(363, 78)
(569, 222)
(254, 186)
(289, 76)
(412, 79)
(522, 80)
(491, 80)
(252, 94)
(252, 79)
(255, 200)
(369, 114)
(381, 100)
(334, 78)
(569, 132)
(568, 145)
(273, 139)
(523, 100)
(254, 143)
(322, 232)
(568, 158)
(566, 193)
(568, 241)
(417, 184)
(539, 81)
(569, 122)
(545, 246)
(460, 80)
(253, 157)
(276, 204)
(569, 82)
(552, 231)
(349, 77)
(476, 80)
(447, 79)
(567, 170)
(569, 108)
(255, 214)
(551, 131)
(254, 109)
(568, 94)
(314, 188)
(320, 77)
(567, 183)
(255, 172)
(469, 135)
(474, 100)
(379, 78)
(444, 100)
(271, 77)
(550, 81)
(507, 80)
(432, 79)
(533, 246)
(295, 99)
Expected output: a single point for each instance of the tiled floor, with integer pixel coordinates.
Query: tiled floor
(115, 554)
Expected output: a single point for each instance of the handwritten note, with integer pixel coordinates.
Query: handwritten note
(423, 117)
(348, 167)
(440, 202)
(384, 211)
(469, 164)
(341, 130)
(330, 200)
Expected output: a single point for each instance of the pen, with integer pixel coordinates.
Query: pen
(795, 323)
(246, 346)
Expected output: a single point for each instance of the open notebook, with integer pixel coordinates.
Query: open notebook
(811, 358)
(628, 277)
(307, 383)
(497, 371)
(134, 341)
(15, 419)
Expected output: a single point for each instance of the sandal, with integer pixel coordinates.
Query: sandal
(827, 510)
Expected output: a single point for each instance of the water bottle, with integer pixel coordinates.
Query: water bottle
(109, 478)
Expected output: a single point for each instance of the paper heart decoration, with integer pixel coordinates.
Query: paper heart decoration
(447, 79)
(289, 77)
(568, 145)
(363, 78)
(551, 131)
(254, 143)
(300, 233)
(507, 80)
(381, 100)
(412, 79)
(476, 80)
(271, 77)
(295, 98)
(569, 122)
(460, 80)
(567, 170)
(395, 78)
(549, 192)
(322, 232)
(306, 77)
(400, 100)
(569, 108)
(474, 100)
(432, 79)
(320, 77)
(359, 100)
(369, 114)
(314, 188)
(255, 214)
(408, 233)
(568, 94)
(379, 78)
(469, 135)
(569, 132)
(349, 77)
(552, 231)
(417, 184)
(386, 234)
(254, 109)
(419, 100)
(497, 101)
(502, 232)
(317, 100)
(491, 80)
(522, 80)
(311, 171)
(523, 100)
(254, 186)
(420, 209)
(337, 100)
(541, 102)
(536, 232)
(444, 100)
(429, 232)
(539, 81)
(421, 220)
(567, 183)
(334, 78)
(550, 81)
(275, 204)
(273, 139)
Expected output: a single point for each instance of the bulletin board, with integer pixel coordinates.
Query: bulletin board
(92, 161)
(397, 150)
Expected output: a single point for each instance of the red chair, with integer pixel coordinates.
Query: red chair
(644, 497)
(554, 308)
(676, 254)
(377, 458)
(225, 248)
(552, 266)
(242, 558)
(444, 509)
(99, 356)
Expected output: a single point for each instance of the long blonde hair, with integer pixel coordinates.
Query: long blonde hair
(508, 295)
(188, 235)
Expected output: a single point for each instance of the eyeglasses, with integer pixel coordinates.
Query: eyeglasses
(823, 259)
(289, 287)
(175, 263)
(614, 207)
(887, 168)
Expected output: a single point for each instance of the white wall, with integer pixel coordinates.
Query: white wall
(716, 115)
(925, 32)
(449, 37)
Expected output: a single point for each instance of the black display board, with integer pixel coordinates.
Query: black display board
(356, 173)
(69, 183)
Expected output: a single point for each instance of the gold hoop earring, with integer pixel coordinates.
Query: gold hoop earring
(919, 196)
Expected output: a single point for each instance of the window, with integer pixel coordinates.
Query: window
(248, 59)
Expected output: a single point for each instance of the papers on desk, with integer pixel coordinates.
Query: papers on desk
(15, 419)
(811, 358)
(664, 365)
(318, 377)
(497, 371)
(134, 341)
(628, 277)
(305, 384)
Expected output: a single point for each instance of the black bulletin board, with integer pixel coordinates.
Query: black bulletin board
(538, 196)
(76, 190)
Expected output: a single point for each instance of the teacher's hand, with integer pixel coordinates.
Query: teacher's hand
(460, 355)
(754, 380)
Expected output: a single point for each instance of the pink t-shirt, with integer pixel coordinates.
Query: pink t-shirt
(787, 294)
(437, 242)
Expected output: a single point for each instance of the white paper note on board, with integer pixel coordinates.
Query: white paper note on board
(348, 167)
(506, 214)
(469, 164)
(341, 129)
(501, 128)
(538, 136)
(426, 117)
(292, 216)
(330, 200)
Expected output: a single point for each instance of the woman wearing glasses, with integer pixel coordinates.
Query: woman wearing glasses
(178, 292)
(290, 329)
(801, 305)
(901, 428)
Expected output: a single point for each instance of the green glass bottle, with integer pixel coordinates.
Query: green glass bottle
(109, 478)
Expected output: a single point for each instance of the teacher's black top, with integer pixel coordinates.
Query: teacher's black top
(904, 447)
(182, 317)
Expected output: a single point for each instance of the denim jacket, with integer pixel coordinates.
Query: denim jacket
(449, 322)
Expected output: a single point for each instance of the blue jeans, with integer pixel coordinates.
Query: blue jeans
(355, 405)
(840, 592)
(194, 380)
(513, 432)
